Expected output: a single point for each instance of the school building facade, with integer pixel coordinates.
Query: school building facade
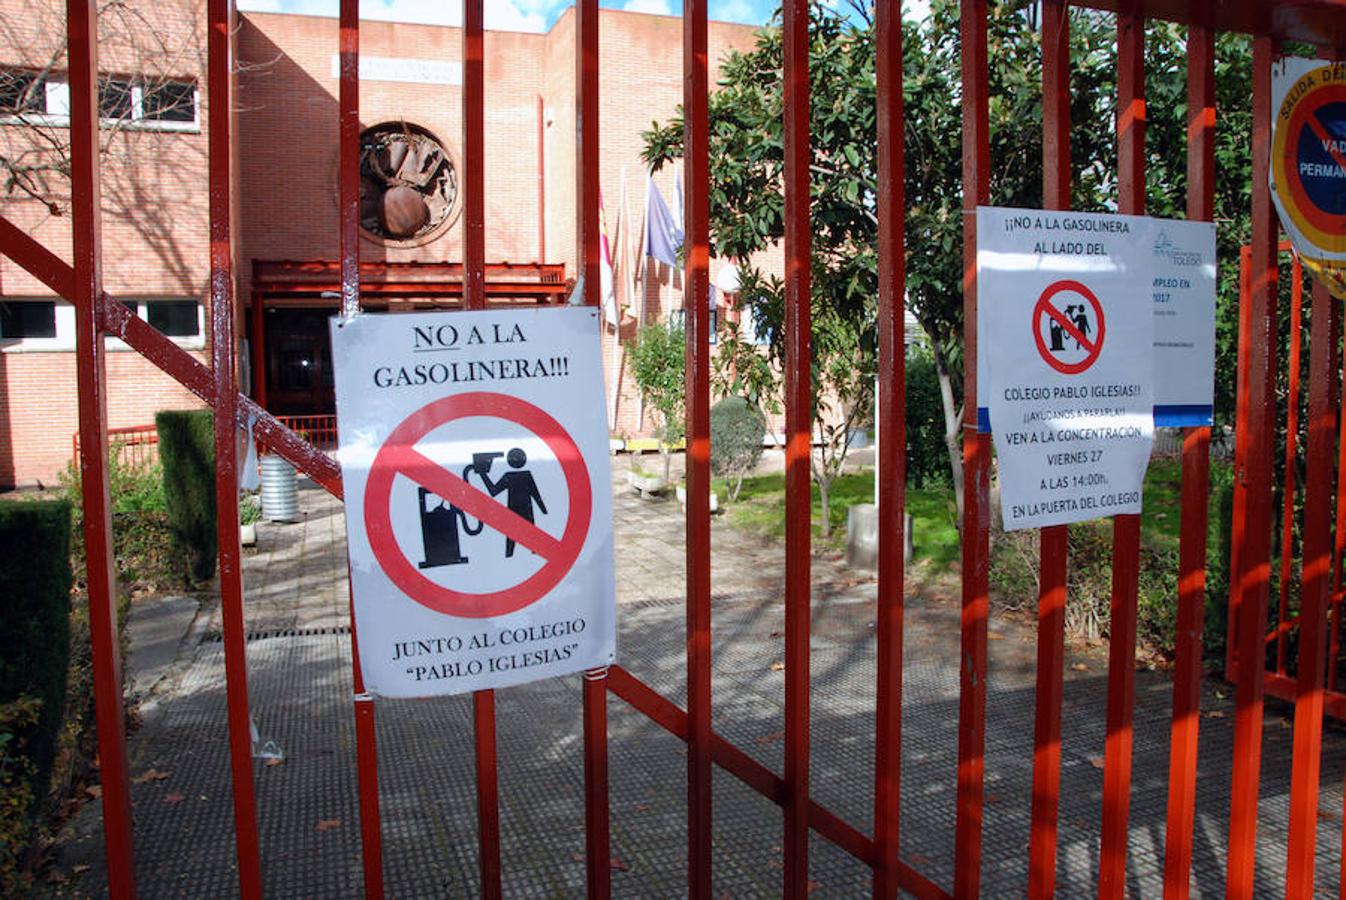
(155, 203)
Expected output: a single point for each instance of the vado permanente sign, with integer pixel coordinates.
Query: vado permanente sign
(478, 506)
(1081, 318)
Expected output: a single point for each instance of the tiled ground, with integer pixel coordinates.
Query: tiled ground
(299, 666)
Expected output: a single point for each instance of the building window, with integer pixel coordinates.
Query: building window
(22, 92)
(175, 318)
(38, 98)
(27, 319)
(114, 98)
(677, 318)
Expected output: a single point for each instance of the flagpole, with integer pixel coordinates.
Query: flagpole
(617, 325)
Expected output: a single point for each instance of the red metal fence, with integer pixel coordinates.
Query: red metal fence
(98, 314)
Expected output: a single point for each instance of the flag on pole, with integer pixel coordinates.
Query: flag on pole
(663, 236)
(611, 315)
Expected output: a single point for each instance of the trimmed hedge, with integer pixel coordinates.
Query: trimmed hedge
(35, 581)
(187, 454)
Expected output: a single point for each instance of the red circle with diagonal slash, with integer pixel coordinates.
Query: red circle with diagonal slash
(1323, 225)
(398, 456)
(1045, 307)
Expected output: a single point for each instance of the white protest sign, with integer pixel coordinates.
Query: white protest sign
(1183, 281)
(1182, 257)
(474, 455)
(1066, 359)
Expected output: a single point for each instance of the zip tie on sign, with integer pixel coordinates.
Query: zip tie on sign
(596, 674)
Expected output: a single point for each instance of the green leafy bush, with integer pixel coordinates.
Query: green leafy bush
(35, 584)
(17, 774)
(187, 451)
(737, 428)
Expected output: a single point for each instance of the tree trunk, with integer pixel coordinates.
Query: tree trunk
(952, 430)
(823, 485)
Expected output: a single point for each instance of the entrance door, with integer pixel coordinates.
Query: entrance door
(299, 362)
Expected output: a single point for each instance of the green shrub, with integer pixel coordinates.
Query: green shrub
(927, 454)
(658, 364)
(187, 452)
(737, 428)
(35, 584)
(17, 772)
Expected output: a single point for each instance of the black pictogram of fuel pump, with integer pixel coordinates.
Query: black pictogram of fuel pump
(441, 524)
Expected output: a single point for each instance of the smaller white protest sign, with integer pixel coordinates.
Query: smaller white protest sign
(1183, 285)
(1067, 351)
(475, 465)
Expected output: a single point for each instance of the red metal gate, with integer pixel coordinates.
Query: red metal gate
(1320, 20)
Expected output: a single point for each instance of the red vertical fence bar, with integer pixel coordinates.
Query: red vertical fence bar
(1256, 471)
(1125, 528)
(1315, 592)
(224, 403)
(696, 156)
(976, 469)
(1240, 496)
(798, 447)
(90, 374)
(474, 297)
(1185, 722)
(891, 468)
(348, 199)
(1053, 540)
(1291, 454)
(596, 813)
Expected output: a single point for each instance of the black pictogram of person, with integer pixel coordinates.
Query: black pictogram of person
(520, 491)
(1081, 321)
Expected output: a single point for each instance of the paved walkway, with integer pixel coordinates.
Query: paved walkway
(299, 668)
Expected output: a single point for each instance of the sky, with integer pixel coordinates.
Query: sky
(518, 15)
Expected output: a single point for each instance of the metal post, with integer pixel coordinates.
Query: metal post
(890, 455)
(696, 157)
(1053, 541)
(1255, 546)
(348, 182)
(91, 375)
(1187, 674)
(224, 403)
(474, 298)
(798, 447)
(1125, 528)
(1316, 575)
(976, 469)
(596, 810)
(1283, 619)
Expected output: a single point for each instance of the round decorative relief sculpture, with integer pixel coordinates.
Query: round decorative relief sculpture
(408, 185)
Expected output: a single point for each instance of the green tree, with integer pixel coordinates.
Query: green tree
(658, 365)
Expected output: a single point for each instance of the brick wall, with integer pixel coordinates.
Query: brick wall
(155, 202)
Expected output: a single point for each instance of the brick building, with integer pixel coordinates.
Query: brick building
(154, 196)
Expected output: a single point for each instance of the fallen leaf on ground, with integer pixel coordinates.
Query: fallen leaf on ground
(274, 761)
(1215, 714)
(94, 790)
(812, 886)
(80, 869)
(173, 797)
(1328, 814)
(1096, 761)
(149, 775)
(642, 807)
(1081, 667)
(994, 636)
(328, 824)
(774, 864)
(777, 666)
(577, 857)
(770, 738)
(618, 866)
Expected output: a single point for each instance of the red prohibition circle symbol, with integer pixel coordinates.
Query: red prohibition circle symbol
(1306, 117)
(1046, 308)
(399, 456)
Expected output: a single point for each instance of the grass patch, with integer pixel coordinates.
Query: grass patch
(761, 510)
